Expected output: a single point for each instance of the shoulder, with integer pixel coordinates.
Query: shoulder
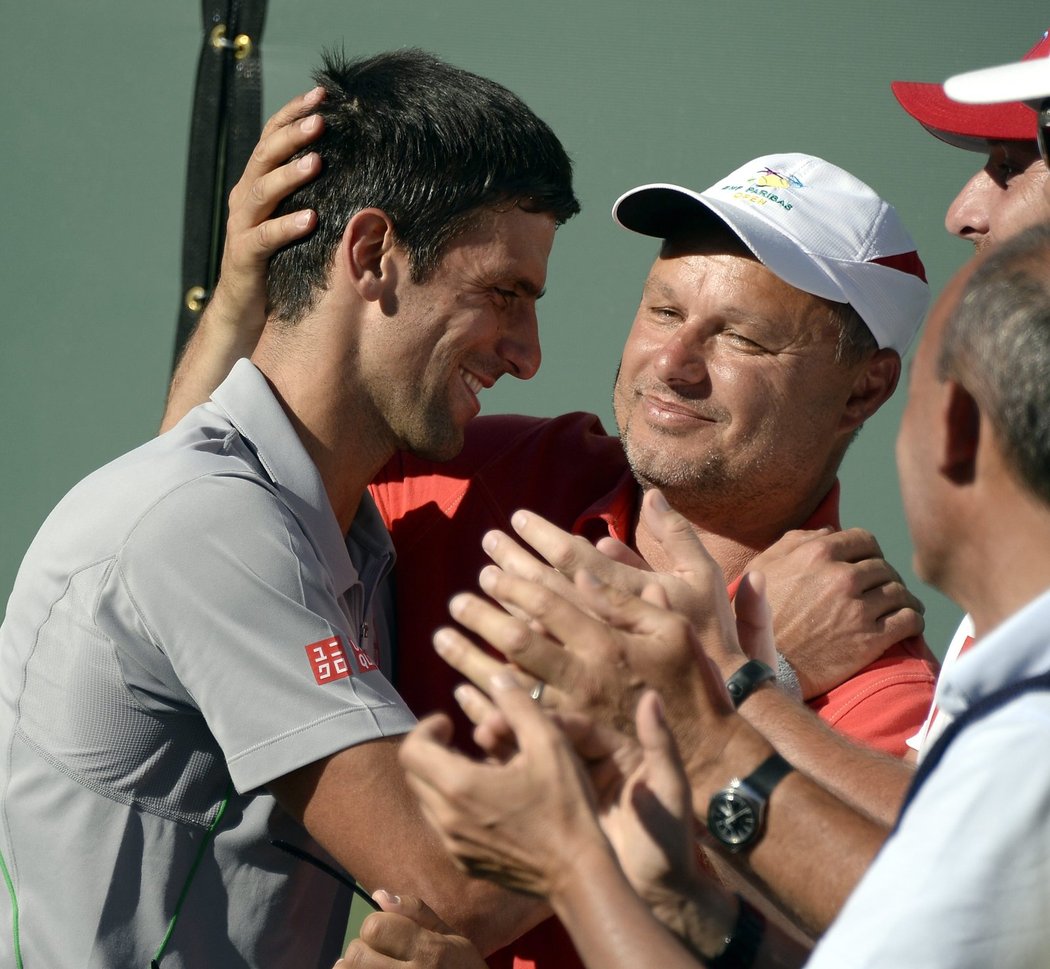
(489, 440)
(507, 460)
(885, 703)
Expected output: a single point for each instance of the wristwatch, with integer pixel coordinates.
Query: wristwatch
(736, 814)
(744, 681)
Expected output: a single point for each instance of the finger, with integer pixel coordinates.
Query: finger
(891, 597)
(616, 550)
(474, 703)
(265, 239)
(567, 554)
(851, 545)
(287, 131)
(544, 575)
(299, 106)
(496, 739)
(269, 190)
(465, 657)
(409, 934)
(798, 537)
(527, 720)
(492, 733)
(427, 758)
(675, 536)
(412, 908)
(437, 729)
(659, 750)
(642, 614)
(903, 624)
(511, 557)
(879, 577)
(754, 619)
(271, 174)
(479, 667)
(405, 933)
(389, 934)
(519, 642)
(656, 595)
(253, 201)
(662, 637)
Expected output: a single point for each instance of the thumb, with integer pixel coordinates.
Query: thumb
(412, 908)
(754, 619)
(660, 753)
(675, 536)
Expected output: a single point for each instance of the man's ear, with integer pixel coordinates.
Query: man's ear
(366, 252)
(873, 386)
(961, 417)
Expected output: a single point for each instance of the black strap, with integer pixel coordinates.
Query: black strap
(768, 774)
(224, 126)
(744, 941)
(980, 709)
(746, 679)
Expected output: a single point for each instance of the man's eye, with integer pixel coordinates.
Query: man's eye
(744, 342)
(505, 293)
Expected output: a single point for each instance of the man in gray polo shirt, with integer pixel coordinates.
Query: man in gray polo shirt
(189, 666)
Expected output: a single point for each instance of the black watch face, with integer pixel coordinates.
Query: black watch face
(732, 819)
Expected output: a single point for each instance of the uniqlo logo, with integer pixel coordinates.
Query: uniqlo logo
(364, 661)
(328, 660)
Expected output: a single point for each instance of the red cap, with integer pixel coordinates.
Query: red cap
(969, 126)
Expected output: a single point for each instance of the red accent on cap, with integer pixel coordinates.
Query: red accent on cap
(968, 125)
(905, 262)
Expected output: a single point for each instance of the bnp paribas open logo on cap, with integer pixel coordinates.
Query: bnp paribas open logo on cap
(768, 187)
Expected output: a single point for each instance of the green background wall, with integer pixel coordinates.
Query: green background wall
(95, 109)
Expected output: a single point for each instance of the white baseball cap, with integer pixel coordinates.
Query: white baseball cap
(1024, 80)
(814, 225)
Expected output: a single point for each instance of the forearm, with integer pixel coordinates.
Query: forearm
(216, 343)
(868, 781)
(611, 926)
(815, 847)
(357, 805)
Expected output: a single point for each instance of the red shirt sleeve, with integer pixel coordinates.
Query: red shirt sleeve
(886, 702)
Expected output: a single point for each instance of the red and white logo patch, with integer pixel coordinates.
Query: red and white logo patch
(364, 661)
(328, 660)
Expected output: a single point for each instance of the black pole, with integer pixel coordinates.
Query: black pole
(224, 126)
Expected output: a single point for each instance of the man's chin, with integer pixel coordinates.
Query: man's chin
(437, 446)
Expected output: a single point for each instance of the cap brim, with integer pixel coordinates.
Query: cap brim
(969, 126)
(668, 211)
(1020, 81)
(664, 211)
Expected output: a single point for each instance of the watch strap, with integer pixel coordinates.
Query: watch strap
(767, 775)
(743, 941)
(746, 679)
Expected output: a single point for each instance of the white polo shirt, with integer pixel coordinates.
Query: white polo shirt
(964, 882)
(188, 625)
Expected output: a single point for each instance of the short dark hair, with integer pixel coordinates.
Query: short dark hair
(856, 341)
(432, 146)
(997, 345)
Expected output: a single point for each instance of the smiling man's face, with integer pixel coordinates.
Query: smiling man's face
(729, 388)
(455, 334)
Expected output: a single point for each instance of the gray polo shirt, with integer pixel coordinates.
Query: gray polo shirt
(188, 625)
